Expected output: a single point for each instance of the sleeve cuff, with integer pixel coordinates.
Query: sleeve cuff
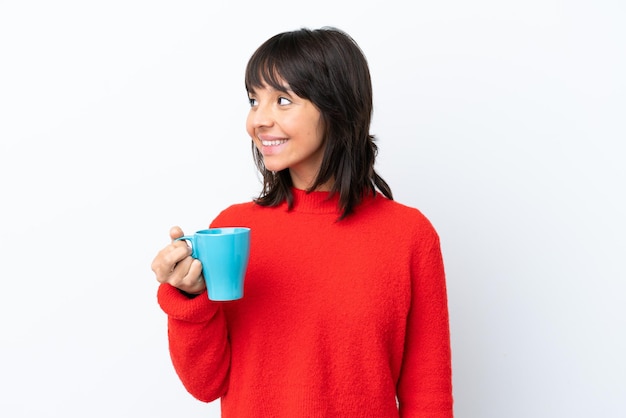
(178, 306)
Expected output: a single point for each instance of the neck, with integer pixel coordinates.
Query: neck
(305, 184)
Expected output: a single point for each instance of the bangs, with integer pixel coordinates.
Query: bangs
(280, 63)
(266, 72)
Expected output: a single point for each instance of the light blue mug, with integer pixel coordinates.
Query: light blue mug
(224, 254)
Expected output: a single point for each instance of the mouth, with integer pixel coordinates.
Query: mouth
(270, 147)
(273, 143)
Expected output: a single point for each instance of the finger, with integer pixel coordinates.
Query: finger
(175, 232)
(173, 273)
(166, 261)
(195, 271)
(195, 280)
(192, 281)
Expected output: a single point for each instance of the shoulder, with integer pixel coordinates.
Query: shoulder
(404, 220)
(234, 215)
(402, 212)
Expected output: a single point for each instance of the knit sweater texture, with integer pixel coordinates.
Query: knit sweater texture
(339, 318)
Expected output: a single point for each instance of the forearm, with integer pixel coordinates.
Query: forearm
(425, 387)
(198, 343)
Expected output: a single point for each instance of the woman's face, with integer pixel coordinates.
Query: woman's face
(288, 131)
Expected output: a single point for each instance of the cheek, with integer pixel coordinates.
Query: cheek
(317, 130)
(249, 127)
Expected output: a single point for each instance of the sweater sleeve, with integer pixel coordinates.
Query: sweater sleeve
(425, 384)
(198, 342)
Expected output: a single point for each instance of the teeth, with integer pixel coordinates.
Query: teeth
(273, 143)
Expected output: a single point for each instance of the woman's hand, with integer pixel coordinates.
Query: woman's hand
(174, 265)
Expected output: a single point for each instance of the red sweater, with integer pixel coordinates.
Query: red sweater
(338, 318)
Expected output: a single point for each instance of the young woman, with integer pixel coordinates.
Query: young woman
(344, 312)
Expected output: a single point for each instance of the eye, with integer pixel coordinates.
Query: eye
(283, 101)
(253, 102)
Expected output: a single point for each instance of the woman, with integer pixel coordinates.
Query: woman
(344, 312)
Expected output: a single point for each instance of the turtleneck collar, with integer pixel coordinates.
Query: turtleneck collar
(319, 201)
(314, 202)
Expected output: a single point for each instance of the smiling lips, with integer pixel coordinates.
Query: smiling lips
(272, 146)
(273, 143)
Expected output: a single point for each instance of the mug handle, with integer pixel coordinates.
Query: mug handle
(191, 241)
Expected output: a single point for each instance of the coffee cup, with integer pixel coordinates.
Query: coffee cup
(224, 254)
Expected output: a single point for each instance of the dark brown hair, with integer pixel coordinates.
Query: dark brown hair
(327, 67)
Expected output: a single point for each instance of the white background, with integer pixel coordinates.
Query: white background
(502, 121)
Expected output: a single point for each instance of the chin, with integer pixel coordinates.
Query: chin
(273, 167)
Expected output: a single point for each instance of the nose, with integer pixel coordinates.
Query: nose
(260, 116)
